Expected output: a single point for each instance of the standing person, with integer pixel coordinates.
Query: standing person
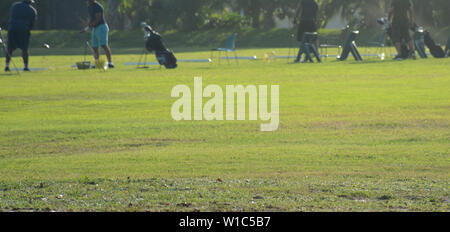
(308, 19)
(22, 20)
(100, 30)
(401, 16)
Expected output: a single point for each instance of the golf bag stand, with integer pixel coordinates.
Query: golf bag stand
(419, 43)
(350, 46)
(308, 46)
(143, 58)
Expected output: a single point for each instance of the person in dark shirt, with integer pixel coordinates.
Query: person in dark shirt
(309, 16)
(401, 16)
(100, 30)
(23, 17)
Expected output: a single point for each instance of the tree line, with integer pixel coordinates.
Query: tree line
(189, 15)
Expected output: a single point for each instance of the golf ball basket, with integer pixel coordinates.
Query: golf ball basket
(83, 65)
(99, 64)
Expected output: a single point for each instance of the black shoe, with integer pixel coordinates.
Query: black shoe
(110, 66)
(26, 70)
(7, 69)
(296, 61)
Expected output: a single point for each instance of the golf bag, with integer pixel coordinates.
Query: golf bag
(350, 47)
(435, 50)
(154, 43)
(167, 58)
(308, 48)
(419, 42)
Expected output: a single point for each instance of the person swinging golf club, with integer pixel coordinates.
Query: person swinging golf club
(23, 17)
(100, 31)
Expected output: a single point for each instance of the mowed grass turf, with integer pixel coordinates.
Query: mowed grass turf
(368, 136)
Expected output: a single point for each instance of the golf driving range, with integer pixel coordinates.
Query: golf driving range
(353, 136)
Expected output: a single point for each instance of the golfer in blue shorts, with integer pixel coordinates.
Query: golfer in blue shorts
(100, 30)
(23, 17)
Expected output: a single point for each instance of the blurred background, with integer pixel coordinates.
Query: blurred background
(187, 17)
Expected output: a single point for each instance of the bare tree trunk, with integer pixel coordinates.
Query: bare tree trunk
(255, 12)
(424, 12)
(268, 20)
(113, 16)
(371, 10)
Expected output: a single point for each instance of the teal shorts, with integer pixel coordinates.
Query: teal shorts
(100, 36)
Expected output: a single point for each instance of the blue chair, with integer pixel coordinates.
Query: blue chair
(230, 46)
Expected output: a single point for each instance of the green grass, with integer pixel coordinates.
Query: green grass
(370, 136)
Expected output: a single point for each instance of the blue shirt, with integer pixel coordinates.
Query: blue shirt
(93, 10)
(23, 15)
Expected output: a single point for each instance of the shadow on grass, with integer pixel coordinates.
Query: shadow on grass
(373, 61)
(14, 74)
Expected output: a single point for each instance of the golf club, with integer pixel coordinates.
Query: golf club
(5, 50)
(98, 63)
